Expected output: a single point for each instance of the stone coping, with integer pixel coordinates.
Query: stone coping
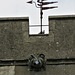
(62, 17)
(14, 19)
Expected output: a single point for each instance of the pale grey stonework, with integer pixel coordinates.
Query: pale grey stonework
(7, 70)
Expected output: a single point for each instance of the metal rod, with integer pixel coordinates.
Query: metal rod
(41, 13)
(37, 25)
(40, 4)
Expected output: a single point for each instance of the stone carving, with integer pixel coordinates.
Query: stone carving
(37, 63)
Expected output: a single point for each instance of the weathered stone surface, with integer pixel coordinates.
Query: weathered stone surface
(50, 70)
(60, 41)
(64, 34)
(11, 37)
(16, 43)
(7, 70)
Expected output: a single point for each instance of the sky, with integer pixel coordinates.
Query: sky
(20, 8)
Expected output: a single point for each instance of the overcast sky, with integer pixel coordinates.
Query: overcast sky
(19, 8)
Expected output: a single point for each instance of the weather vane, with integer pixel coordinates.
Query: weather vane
(40, 4)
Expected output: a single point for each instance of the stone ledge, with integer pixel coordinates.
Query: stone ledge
(14, 19)
(61, 17)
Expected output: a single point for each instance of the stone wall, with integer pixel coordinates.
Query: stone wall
(11, 37)
(59, 43)
(63, 28)
(50, 70)
(16, 43)
(7, 70)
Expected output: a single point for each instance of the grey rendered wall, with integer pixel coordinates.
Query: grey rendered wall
(7, 70)
(63, 28)
(11, 37)
(16, 43)
(50, 70)
(59, 43)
